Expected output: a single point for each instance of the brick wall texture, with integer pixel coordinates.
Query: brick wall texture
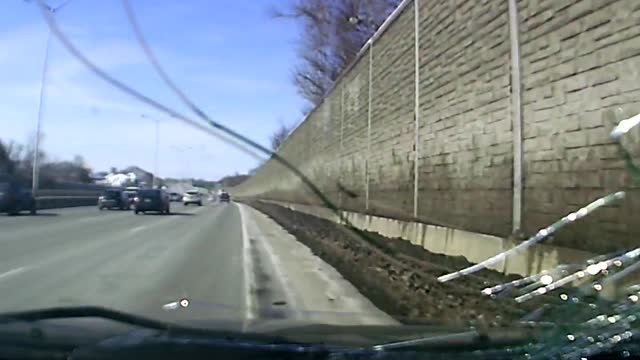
(580, 75)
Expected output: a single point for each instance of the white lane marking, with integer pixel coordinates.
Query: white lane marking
(136, 229)
(12, 272)
(247, 269)
(277, 265)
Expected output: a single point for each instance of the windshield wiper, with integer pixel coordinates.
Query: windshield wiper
(463, 341)
(81, 312)
(134, 320)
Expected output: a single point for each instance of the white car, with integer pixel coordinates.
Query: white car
(192, 197)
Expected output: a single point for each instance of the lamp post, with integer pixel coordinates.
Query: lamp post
(35, 174)
(156, 149)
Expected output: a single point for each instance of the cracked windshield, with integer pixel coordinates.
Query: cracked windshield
(360, 179)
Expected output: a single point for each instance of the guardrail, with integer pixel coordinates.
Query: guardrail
(53, 202)
(52, 199)
(66, 192)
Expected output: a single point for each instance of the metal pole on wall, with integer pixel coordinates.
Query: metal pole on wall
(516, 116)
(341, 156)
(369, 95)
(416, 111)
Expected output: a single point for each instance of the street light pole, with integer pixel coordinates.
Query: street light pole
(155, 156)
(156, 149)
(35, 173)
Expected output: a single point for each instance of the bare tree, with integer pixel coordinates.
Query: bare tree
(6, 163)
(333, 33)
(16, 160)
(279, 137)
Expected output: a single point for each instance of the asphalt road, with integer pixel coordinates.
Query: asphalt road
(144, 264)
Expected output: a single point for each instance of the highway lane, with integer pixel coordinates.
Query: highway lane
(140, 263)
(83, 256)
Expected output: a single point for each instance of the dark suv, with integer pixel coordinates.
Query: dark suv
(151, 200)
(15, 198)
(224, 197)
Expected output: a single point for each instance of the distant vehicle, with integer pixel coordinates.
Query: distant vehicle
(174, 197)
(192, 197)
(131, 192)
(151, 200)
(114, 198)
(15, 198)
(224, 197)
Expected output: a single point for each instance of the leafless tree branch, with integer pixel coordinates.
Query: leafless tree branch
(333, 33)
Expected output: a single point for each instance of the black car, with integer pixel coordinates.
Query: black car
(15, 198)
(224, 197)
(113, 198)
(151, 200)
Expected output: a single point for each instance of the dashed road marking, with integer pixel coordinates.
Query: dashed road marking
(12, 272)
(247, 269)
(136, 229)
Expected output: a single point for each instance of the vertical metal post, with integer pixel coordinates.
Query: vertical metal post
(35, 173)
(516, 116)
(341, 155)
(416, 111)
(368, 155)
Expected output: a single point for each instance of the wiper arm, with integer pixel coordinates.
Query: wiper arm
(134, 320)
(462, 341)
(83, 312)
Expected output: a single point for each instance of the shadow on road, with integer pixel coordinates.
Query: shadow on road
(38, 214)
(171, 214)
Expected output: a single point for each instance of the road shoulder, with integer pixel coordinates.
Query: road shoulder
(288, 281)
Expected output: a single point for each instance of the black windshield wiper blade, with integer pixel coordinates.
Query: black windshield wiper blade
(135, 320)
(463, 340)
(83, 312)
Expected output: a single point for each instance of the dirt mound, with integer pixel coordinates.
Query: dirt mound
(398, 277)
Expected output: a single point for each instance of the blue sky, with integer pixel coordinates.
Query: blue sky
(230, 57)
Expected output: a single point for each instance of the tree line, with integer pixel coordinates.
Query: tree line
(16, 160)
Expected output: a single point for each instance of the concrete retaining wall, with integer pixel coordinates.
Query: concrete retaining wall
(474, 247)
